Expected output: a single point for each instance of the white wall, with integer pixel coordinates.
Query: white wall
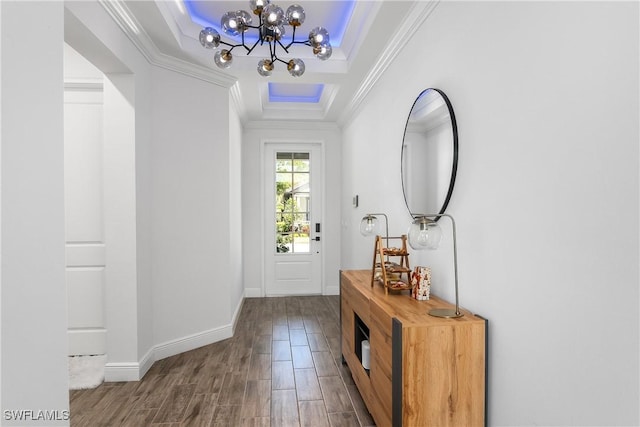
(121, 275)
(235, 210)
(254, 138)
(34, 318)
(546, 200)
(90, 31)
(193, 274)
(187, 284)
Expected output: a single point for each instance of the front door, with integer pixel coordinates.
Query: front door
(293, 226)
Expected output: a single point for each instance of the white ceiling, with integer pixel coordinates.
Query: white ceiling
(167, 33)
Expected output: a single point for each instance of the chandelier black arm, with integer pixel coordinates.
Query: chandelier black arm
(305, 42)
(272, 51)
(252, 47)
(233, 46)
(275, 58)
(293, 39)
(286, 48)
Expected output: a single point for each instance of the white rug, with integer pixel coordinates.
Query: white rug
(86, 371)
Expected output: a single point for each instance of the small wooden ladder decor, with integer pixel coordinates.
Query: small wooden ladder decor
(388, 272)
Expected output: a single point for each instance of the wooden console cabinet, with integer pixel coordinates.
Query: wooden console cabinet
(423, 370)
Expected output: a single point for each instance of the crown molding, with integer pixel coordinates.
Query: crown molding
(418, 13)
(83, 85)
(127, 22)
(236, 100)
(291, 125)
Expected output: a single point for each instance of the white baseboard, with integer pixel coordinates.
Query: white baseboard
(171, 348)
(257, 292)
(332, 290)
(253, 292)
(134, 371)
(115, 372)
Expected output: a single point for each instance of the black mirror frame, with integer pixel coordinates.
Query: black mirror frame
(454, 168)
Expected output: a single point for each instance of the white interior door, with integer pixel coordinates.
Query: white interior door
(293, 224)
(85, 246)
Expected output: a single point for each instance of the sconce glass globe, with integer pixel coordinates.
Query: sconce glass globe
(209, 38)
(295, 15)
(424, 233)
(223, 58)
(296, 67)
(369, 225)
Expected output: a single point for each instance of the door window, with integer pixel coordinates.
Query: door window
(293, 202)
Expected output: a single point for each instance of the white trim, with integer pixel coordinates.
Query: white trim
(290, 125)
(332, 290)
(190, 342)
(84, 85)
(116, 372)
(253, 292)
(134, 371)
(316, 146)
(236, 99)
(130, 26)
(418, 14)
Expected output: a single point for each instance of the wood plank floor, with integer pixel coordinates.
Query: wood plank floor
(282, 368)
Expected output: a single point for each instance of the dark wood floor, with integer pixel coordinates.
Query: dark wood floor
(281, 368)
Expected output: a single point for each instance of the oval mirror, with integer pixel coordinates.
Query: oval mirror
(429, 154)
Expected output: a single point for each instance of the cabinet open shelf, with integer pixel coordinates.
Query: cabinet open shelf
(361, 334)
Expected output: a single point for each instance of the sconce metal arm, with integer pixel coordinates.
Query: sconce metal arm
(444, 312)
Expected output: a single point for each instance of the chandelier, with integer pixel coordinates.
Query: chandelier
(271, 28)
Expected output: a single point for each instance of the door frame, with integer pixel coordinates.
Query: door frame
(284, 142)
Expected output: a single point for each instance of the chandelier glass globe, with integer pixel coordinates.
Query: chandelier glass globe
(230, 23)
(296, 67)
(273, 15)
(323, 52)
(318, 36)
(244, 19)
(258, 5)
(223, 58)
(295, 15)
(209, 38)
(265, 67)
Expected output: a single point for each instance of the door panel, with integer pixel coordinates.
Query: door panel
(84, 234)
(293, 202)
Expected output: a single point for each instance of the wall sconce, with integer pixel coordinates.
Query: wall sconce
(370, 226)
(425, 233)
